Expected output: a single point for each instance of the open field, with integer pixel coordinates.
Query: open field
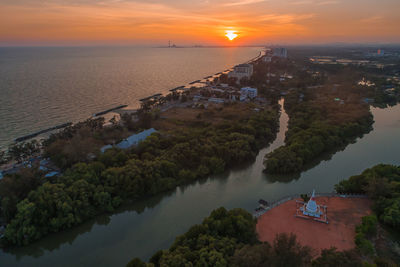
(214, 114)
(348, 108)
(343, 215)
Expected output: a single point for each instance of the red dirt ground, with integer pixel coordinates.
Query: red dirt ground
(343, 215)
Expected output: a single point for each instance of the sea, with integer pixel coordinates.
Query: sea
(41, 87)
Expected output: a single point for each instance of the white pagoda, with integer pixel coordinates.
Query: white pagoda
(311, 210)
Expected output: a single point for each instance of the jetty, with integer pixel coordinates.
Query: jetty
(177, 88)
(156, 96)
(109, 110)
(29, 136)
(197, 81)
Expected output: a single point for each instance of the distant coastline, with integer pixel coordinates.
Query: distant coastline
(123, 106)
(72, 89)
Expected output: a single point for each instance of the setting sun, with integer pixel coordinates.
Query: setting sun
(231, 35)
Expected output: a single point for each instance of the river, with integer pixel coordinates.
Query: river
(152, 224)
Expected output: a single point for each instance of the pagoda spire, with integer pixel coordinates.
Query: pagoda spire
(312, 206)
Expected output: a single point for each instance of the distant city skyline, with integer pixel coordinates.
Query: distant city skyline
(201, 22)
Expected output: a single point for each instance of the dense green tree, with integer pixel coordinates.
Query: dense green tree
(332, 258)
(288, 252)
(382, 184)
(212, 243)
(136, 262)
(259, 255)
(16, 187)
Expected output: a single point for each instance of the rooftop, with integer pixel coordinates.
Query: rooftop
(135, 139)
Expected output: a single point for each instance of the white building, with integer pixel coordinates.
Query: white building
(135, 139)
(248, 92)
(280, 52)
(216, 100)
(240, 71)
(224, 85)
(267, 59)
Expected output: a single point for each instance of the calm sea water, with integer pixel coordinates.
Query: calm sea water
(43, 87)
(152, 224)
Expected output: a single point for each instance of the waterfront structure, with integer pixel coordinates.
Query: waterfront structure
(248, 92)
(241, 71)
(280, 52)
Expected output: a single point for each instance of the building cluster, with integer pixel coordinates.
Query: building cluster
(328, 60)
(222, 93)
(278, 52)
(248, 93)
(370, 59)
(383, 53)
(208, 90)
(392, 87)
(43, 164)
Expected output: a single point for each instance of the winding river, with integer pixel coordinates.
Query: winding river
(141, 229)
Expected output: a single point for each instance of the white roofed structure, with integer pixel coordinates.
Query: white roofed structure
(135, 139)
(132, 140)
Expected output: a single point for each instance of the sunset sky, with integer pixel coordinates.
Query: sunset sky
(187, 22)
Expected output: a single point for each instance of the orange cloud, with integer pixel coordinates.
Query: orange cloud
(190, 21)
